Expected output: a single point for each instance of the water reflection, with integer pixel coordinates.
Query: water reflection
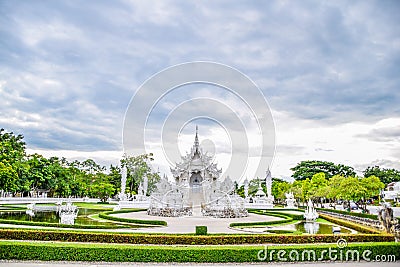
(319, 228)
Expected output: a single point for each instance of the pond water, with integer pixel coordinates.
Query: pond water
(318, 228)
(52, 217)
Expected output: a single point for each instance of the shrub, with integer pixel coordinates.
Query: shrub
(287, 218)
(201, 230)
(213, 254)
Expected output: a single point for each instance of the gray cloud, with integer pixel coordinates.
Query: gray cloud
(386, 134)
(68, 69)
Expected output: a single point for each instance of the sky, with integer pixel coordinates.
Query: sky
(329, 70)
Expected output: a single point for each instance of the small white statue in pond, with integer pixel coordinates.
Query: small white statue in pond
(310, 214)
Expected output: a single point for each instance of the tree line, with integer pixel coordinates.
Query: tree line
(324, 181)
(22, 174)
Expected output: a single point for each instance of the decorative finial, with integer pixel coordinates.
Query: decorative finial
(196, 139)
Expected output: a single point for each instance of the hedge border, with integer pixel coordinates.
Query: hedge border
(59, 225)
(287, 218)
(355, 226)
(106, 215)
(356, 214)
(124, 253)
(184, 239)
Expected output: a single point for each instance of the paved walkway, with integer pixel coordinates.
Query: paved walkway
(175, 224)
(188, 224)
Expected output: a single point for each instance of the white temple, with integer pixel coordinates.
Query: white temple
(196, 189)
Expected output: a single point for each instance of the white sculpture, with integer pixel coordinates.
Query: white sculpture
(122, 195)
(246, 188)
(268, 183)
(310, 214)
(68, 213)
(196, 189)
(290, 201)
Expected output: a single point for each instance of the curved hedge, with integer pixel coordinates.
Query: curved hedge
(287, 218)
(59, 225)
(356, 214)
(106, 215)
(113, 253)
(358, 227)
(183, 239)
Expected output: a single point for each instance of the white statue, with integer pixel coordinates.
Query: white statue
(268, 183)
(310, 214)
(290, 201)
(145, 185)
(246, 188)
(122, 195)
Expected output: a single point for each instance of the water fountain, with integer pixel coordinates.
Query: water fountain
(310, 214)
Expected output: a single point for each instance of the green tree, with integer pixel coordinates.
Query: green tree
(114, 177)
(307, 169)
(351, 189)
(12, 148)
(12, 156)
(279, 188)
(297, 188)
(385, 175)
(39, 172)
(102, 190)
(139, 167)
(372, 186)
(8, 177)
(318, 186)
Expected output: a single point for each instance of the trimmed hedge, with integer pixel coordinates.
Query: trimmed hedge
(356, 214)
(59, 225)
(106, 215)
(287, 218)
(182, 239)
(213, 254)
(201, 230)
(358, 227)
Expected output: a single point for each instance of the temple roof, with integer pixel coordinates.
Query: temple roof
(196, 161)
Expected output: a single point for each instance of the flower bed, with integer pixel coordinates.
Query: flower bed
(183, 239)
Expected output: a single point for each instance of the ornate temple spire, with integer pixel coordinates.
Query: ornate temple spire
(196, 140)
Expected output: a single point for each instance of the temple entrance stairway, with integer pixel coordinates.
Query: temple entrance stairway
(196, 197)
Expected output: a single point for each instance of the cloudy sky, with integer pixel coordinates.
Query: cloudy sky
(330, 71)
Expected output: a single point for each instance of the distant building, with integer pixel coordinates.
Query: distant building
(392, 191)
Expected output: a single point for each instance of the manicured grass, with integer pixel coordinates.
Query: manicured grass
(95, 206)
(107, 215)
(321, 220)
(49, 251)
